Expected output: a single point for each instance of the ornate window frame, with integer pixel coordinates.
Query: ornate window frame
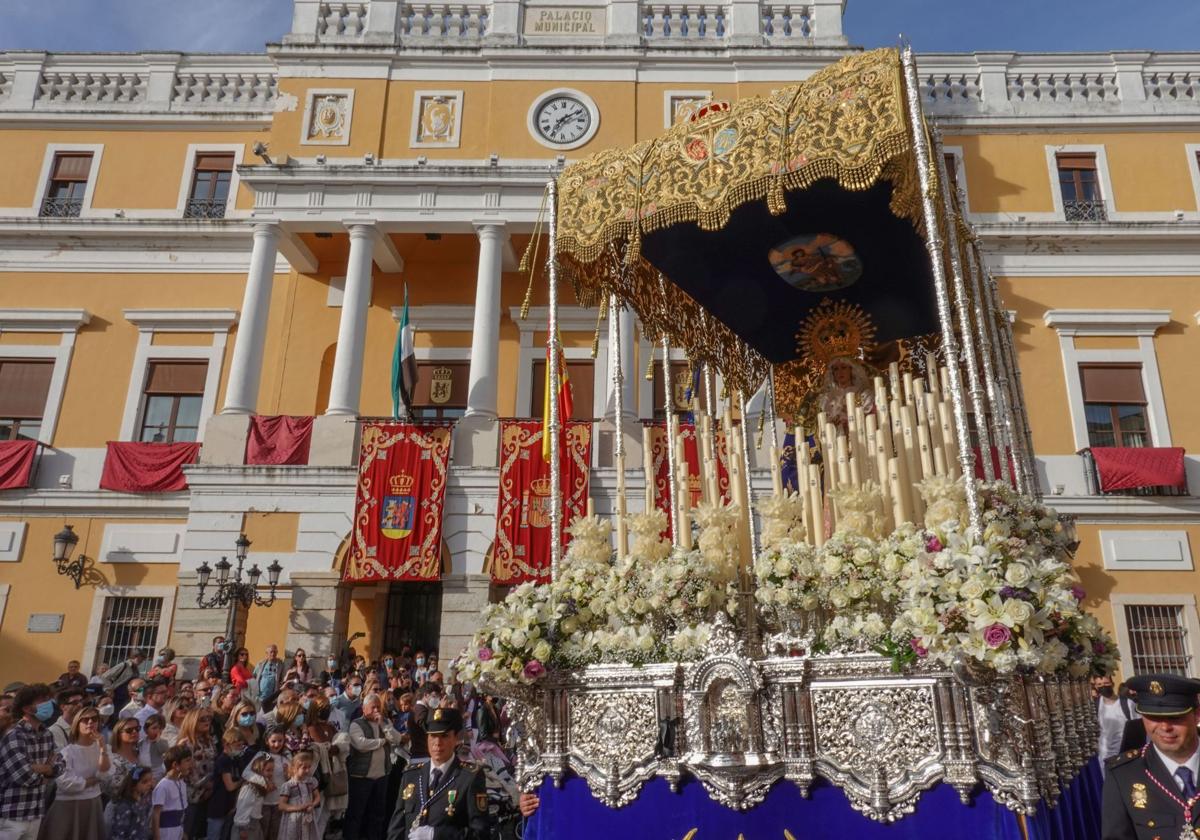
(65, 322)
(149, 321)
(571, 319)
(1141, 324)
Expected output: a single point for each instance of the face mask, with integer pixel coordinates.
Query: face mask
(331, 663)
(1106, 691)
(160, 660)
(306, 702)
(44, 711)
(389, 662)
(420, 660)
(106, 711)
(353, 690)
(300, 719)
(246, 720)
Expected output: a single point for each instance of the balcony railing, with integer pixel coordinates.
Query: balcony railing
(1092, 476)
(205, 208)
(61, 208)
(1085, 211)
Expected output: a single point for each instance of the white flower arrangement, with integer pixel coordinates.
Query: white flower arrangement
(1005, 596)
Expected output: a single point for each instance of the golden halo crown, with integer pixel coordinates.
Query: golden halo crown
(833, 329)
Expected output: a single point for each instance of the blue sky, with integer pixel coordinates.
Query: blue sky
(931, 25)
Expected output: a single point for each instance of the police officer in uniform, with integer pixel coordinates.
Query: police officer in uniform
(1151, 793)
(445, 799)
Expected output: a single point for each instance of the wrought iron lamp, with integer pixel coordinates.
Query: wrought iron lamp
(233, 592)
(64, 543)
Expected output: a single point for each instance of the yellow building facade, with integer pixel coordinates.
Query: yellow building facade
(186, 240)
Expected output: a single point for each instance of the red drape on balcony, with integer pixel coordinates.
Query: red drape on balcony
(1125, 468)
(16, 463)
(278, 440)
(1012, 468)
(132, 467)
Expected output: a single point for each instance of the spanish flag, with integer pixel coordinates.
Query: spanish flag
(566, 402)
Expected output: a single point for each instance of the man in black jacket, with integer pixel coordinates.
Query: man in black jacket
(1152, 792)
(445, 799)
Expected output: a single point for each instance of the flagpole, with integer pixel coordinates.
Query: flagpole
(552, 390)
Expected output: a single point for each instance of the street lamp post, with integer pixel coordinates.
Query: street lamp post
(234, 592)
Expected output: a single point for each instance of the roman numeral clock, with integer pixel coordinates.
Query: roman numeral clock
(563, 119)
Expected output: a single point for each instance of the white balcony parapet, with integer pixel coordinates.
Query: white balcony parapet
(787, 20)
(138, 83)
(438, 22)
(1031, 85)
(683, 22)
(341, 20)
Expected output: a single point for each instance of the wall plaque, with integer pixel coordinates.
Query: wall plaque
(45, 623)
(565, 20)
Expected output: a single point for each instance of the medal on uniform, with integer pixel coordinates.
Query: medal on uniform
(409, 789)
(451, 795)
(1188, 833)
(1138, 795)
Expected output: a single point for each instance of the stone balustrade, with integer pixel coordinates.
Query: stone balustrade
(341, 20)
(681, 22)
(443, 21)
(1030, 84)
(141, 82)
(787, 21)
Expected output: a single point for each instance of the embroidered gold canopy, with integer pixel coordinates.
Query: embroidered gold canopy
(684, 227)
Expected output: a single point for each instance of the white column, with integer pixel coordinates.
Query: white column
(245, 369)
(346, 386)
(629, 407)
(485, 339)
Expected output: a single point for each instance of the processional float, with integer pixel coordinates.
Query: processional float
(901, 622)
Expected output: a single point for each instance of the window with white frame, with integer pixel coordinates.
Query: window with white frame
(1080, 184)
(212, 176)
(1156, 633)
(24, 386)
(171, 401)
(1113, 394)
(68, 180)
(166, 401)
(33, 377)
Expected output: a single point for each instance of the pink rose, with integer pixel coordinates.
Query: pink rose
(534, 670)
(996, 635)
(485, 653)
(918, 648)
(1078, 592)
(932, 544)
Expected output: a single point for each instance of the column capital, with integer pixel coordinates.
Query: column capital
(490, 230)
(361, 227)
(266, 226)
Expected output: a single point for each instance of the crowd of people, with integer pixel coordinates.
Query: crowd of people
(284, 749)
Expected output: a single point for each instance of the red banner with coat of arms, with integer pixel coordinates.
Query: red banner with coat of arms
(521, 551)
(691, 451)
(398, 508)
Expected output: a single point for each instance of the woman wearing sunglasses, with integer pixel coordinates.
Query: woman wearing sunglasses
(77, 813)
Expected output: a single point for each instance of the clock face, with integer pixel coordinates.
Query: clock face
(562, 119)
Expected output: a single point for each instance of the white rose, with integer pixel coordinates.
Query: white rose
(1017, 574)
(838, 598)
(1017, 610)
(541, 651)
(833, 564)
(972, 589)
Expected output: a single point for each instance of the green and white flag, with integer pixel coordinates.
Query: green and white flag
(404, 365)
